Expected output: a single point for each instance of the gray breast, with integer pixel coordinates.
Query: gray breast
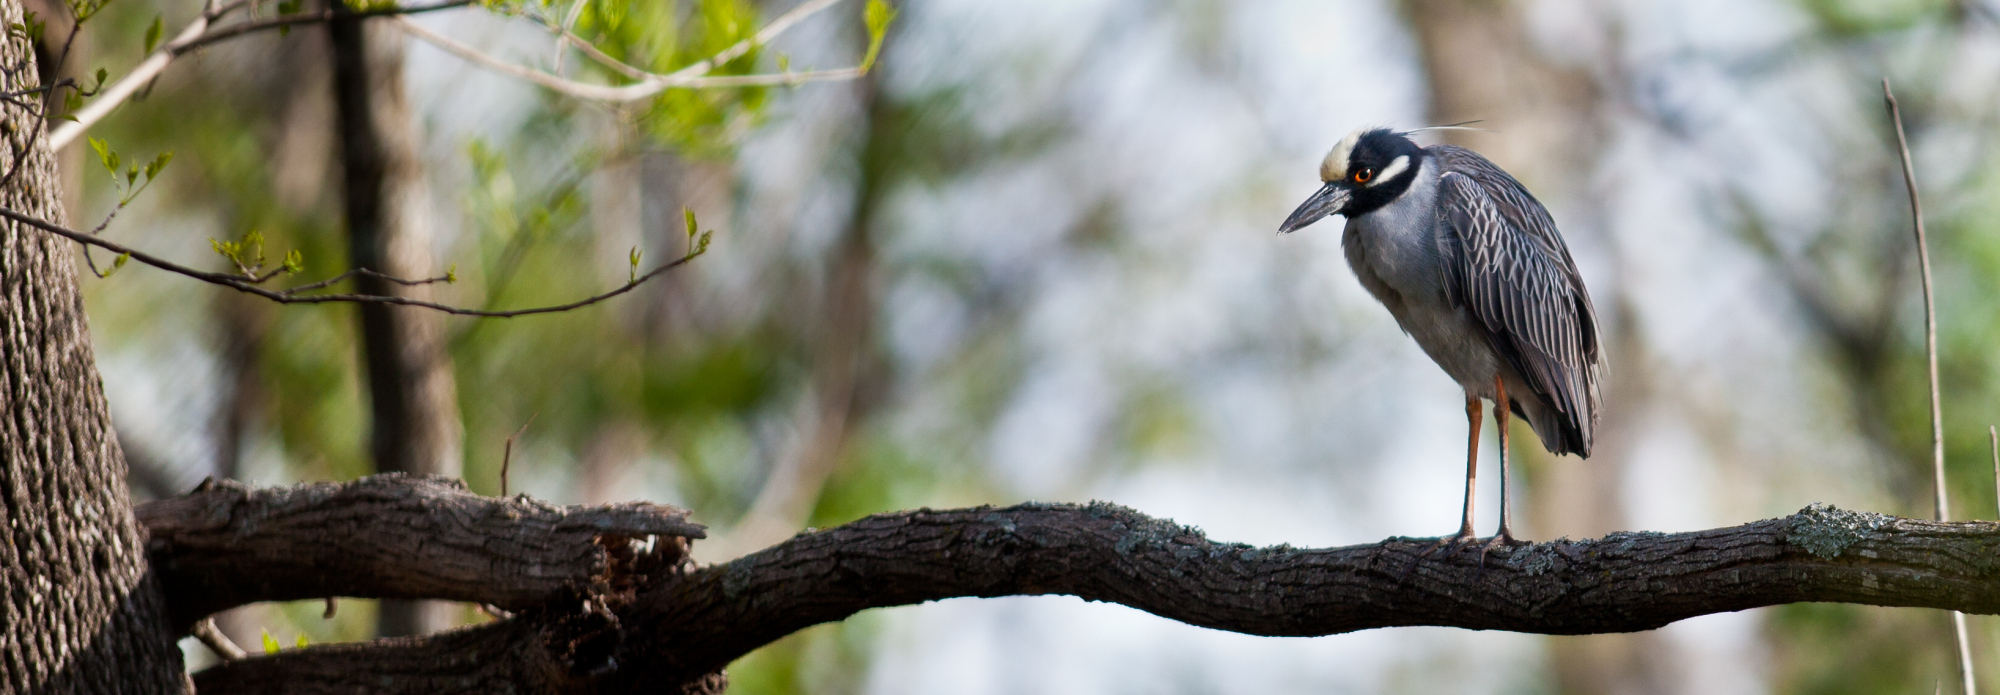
(1394, 251)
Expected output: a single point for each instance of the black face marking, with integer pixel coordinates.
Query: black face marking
(1373, 157)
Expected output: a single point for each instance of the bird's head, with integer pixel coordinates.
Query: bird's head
(1364, 171)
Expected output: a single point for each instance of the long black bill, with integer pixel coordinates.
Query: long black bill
(1328, 201)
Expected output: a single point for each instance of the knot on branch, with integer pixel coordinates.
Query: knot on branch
(1825, 530)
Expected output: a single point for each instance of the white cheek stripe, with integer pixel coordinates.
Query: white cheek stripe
(1395, 168)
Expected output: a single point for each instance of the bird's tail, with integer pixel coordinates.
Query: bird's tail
(1561, 433)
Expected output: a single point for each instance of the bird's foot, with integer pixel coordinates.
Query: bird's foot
(1463, 537)
(1450, 544)
(1502, 539)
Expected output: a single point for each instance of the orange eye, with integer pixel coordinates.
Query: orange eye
(1363, 175)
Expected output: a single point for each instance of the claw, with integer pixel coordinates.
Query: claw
(1501, 539)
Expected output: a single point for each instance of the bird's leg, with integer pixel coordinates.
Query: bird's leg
(1473, 415)
(1475, 412)
(1500, 405)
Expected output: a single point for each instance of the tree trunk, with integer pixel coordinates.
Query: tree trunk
(414, 422)
(80, 612)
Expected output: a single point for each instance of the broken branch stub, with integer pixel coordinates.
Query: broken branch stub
(400, 536)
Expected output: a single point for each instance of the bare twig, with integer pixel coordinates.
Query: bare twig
(248, 284)
(195, 35)
(1941, 505)
(128, 85)
(563, 33)
(691, 77)
(217, 642)
(507, 452)
(281, 21)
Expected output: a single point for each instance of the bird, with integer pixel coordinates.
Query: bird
(1472, 267)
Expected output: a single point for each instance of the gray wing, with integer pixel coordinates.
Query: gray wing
(1509, 266)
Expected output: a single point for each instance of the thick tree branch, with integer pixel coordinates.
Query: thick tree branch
(390, 536)
(676, 630)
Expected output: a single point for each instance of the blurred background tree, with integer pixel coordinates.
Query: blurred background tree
(1031, 257)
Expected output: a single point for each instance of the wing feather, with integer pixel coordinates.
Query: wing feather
(1512, 271)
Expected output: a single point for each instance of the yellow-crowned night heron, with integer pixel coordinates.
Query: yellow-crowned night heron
(1472, 267)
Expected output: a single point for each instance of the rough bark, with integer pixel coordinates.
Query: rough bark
(78, 611)
(414, 423)
(672, 630)
(393, 536)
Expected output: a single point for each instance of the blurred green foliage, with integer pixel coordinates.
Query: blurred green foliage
(257, 177)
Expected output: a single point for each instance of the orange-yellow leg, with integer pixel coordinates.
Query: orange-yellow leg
(1474, 412)
(1473, 415)
(1501, 406)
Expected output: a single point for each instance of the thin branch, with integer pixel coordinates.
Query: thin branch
(602, 58)
(507, 452)
(770, 32)
(128, 85)
(563, 33)
(247, 282)
(1942, 505)
(1993, 439)
(677, 631)
(196, 35)
(281, 21)
(368, 273)
(217, 642)
(22, 155)
(694, 76)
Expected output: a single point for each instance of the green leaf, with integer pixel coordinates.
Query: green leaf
(119, 262)
(688, 212)
(131, 175)
(295, 261)
(303, 642)
(253, 246)
(160, 162)
(271, 645)
(451, 273)
(30, 27)
(878, 16)
(101, 75)
(105, 155)
(784, 63)
(635, 265)
(227, 249)
(153, 34)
